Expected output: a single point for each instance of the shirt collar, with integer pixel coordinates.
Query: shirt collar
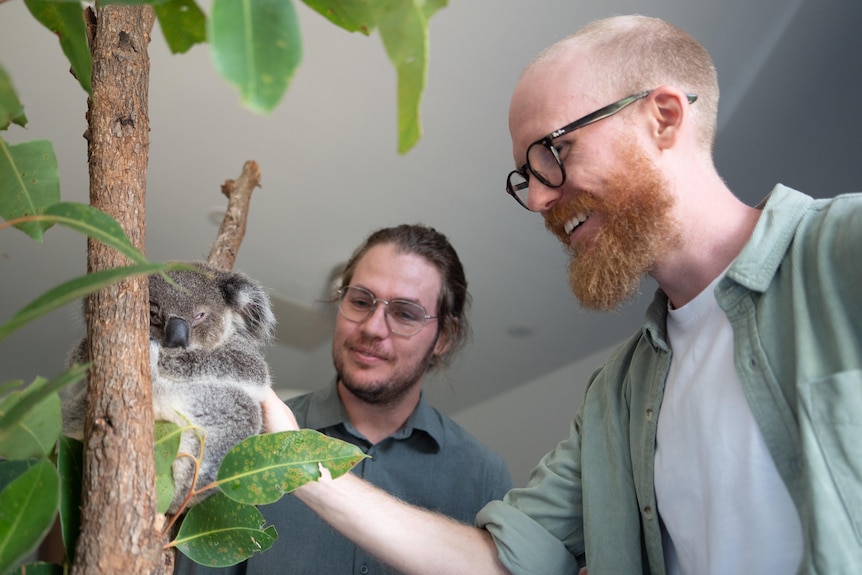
(326, 410)
(758, 261)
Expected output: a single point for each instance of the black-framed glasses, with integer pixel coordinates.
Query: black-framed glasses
(403, 317)
(543, 158)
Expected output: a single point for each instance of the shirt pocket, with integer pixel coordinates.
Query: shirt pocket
(835, 405)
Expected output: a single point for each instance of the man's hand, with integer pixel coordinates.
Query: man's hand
(276, 415)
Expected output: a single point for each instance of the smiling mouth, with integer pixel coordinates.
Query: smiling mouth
(574, 222)
(367, 353)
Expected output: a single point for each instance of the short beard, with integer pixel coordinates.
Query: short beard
(638, 230)
(386, 392)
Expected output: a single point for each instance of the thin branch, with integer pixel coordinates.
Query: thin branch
(226, 245)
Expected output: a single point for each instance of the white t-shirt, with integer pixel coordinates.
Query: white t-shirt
(723, 505)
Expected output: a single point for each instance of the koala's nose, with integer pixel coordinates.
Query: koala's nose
(177, 333)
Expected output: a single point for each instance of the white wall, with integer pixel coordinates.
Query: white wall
(526, 422)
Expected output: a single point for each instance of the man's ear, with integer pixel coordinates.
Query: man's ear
(669, 107)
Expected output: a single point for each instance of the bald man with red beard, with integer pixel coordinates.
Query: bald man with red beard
(723, 436)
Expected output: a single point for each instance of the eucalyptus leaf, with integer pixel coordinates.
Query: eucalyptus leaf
(352, 15)
(70, 465)
(35, 432)
(219, 532)
(404, 29)
(78, 288)
(8, 386)
(28, 506)
(11, 109)
(430, 7)
(30, 183)
(256, 46)
(10, 470)
(66, 21)
(168, 437)
(183, 24)
(94, 223)
(28, 398)
(262, 468)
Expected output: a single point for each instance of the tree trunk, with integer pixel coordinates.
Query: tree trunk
(119, 531)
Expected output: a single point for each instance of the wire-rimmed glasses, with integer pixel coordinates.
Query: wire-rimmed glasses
(543, 158)
(403, 317)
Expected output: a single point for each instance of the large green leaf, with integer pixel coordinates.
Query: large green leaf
(31, 430)
(70, 464)
(256, 47)
(27, 509)
(352, 15)
(29, 183)
(220, 532)
(183, 24)
(90, 221)
(78, 288)
(168, 437)
(404, 29)
(66, 20)
(18, 404)
(262, 468)
(94, 223)
(10, 470)
(11, 109)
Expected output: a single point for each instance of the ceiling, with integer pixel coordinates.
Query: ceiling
(790, 88)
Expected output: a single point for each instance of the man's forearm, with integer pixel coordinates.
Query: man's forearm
(413, 540)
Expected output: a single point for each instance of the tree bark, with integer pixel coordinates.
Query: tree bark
(119, 531)
(232, 230)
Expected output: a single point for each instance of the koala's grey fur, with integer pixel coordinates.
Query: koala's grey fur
(207, 366)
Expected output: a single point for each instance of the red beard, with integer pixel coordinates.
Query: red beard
(606, 271)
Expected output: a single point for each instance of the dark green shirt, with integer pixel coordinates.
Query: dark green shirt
(431, 462)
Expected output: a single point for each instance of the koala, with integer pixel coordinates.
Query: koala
(207, 366)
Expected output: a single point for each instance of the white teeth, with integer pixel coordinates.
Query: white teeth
(574, 222)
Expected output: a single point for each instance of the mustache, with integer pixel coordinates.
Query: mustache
(368, 345)
(559, 214)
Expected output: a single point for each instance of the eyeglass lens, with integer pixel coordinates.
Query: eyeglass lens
(402, 317)
(544, 162)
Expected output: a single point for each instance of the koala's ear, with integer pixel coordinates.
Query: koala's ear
(250, 300)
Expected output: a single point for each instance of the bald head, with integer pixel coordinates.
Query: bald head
(622, 55)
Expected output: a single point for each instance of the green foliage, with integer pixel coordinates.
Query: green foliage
(168, 437)
(29, 183)
(220, 532)
(29, 418)
(39, 568)
(183, 24)
(66, 20)
(11, 110)
(70, 464)
(262, 468)
(257, 48)
(76, 289)
(33, 433)
(28, 505)
(42, 471)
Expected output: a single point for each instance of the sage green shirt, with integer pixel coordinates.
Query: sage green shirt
(794, 299)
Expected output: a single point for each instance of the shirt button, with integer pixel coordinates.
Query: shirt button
(648, 512)
(363, 569)
(649, 414)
